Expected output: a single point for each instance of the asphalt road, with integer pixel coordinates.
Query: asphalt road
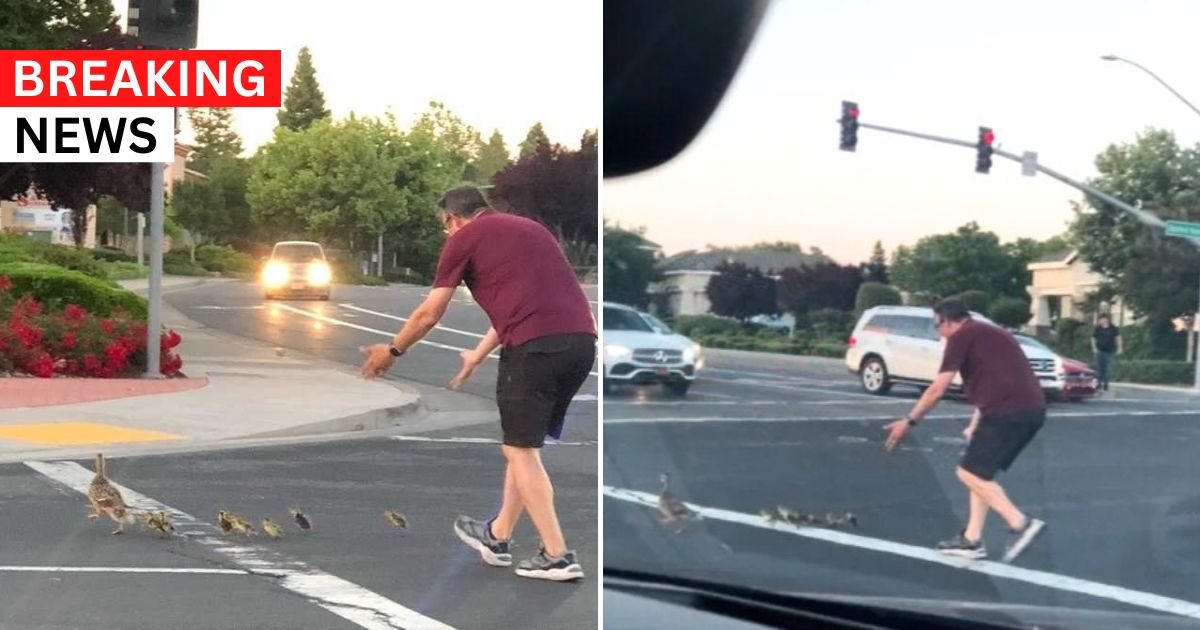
(353, 317)
(59, 570)
(1115, 479)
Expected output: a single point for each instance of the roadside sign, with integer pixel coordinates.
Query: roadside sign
(1183, 229)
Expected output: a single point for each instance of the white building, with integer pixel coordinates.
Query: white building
(1060, 287)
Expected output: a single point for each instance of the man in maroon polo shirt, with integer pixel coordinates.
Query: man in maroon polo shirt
(1009, 411)
(541, 319)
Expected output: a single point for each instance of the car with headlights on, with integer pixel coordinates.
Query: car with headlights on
(635, 353)
(297, 269)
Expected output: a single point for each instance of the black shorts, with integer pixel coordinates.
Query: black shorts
(536, 383)
(998, 440)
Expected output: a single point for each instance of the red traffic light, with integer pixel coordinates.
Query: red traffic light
(986, 136)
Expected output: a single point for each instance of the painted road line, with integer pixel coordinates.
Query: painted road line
(753, 403)
(139, 570)
(256, 307)
(474, 440)
(405, 319)
(996, 569)
(79, 433)
(340, 597)
(703, 419)
(389, 335)
(586, 398)
(784, 386)
(384, 333)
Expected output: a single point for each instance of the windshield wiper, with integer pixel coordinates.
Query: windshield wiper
(781, 610)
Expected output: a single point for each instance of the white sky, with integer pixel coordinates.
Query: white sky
(502, 65)
(1028, 69)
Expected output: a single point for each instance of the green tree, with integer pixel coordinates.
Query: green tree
(303, 101)
(876, 269)
(455, 143)
(332, 180)
(1155, 275)
(824, 286)
(966, 259)
(1011, 312)
(215, 137)
(493, 157)
(51, 24)
(629, 266)
(536, 137)
(872, 294)
(215, 209)
(741, 292)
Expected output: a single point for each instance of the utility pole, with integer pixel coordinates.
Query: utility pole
(155, 319)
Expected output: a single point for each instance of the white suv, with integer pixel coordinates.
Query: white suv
(637, 354)
(899, 345)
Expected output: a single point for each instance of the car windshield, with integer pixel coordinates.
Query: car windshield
(621, 319)
(656, 323)
(853, 165)
(297, 252)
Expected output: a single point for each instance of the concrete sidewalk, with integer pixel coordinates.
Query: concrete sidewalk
(239, 389)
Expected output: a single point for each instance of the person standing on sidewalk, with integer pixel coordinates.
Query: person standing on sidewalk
(1106, 344)
(542, 320)
(1009, 411)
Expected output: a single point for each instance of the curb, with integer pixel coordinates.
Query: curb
(1176, 389)
(198, 281)
(385, 418)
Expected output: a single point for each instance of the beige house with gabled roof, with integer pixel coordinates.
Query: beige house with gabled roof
(1060, 287)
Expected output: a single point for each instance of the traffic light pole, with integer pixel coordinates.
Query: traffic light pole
(154, 295)
(1141, 215)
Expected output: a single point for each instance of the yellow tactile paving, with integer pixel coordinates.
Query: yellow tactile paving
(76, 433)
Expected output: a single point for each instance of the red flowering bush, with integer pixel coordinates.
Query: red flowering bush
(74, 342)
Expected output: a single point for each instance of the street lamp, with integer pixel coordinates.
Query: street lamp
(1155, 77)
(1139, 66)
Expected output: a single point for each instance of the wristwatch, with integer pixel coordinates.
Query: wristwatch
(911, 421)
(396, 352)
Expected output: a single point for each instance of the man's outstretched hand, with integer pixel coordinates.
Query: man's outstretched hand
(379, 360)
(470, 362)
(896, 432)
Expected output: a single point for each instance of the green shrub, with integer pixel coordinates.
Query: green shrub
(1072, 338)
(22, 249)
(120, 270)
(56, 287)
(977, 301)
(872, 294)
(1156, 372)
(174, 268)
(112, 254)
(922, 299)
(831, 350)
(224, 259)
(692, 325)
(372, 281)
(1011, 312)
(832, 324)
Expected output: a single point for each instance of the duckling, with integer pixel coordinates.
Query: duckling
(845, 519)
(106, 499)
(159, 522)
(788, 515)
(671, 509)
(240, 525)
(397, 519)
(224, 522)
(301, 520)
(271, 529)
